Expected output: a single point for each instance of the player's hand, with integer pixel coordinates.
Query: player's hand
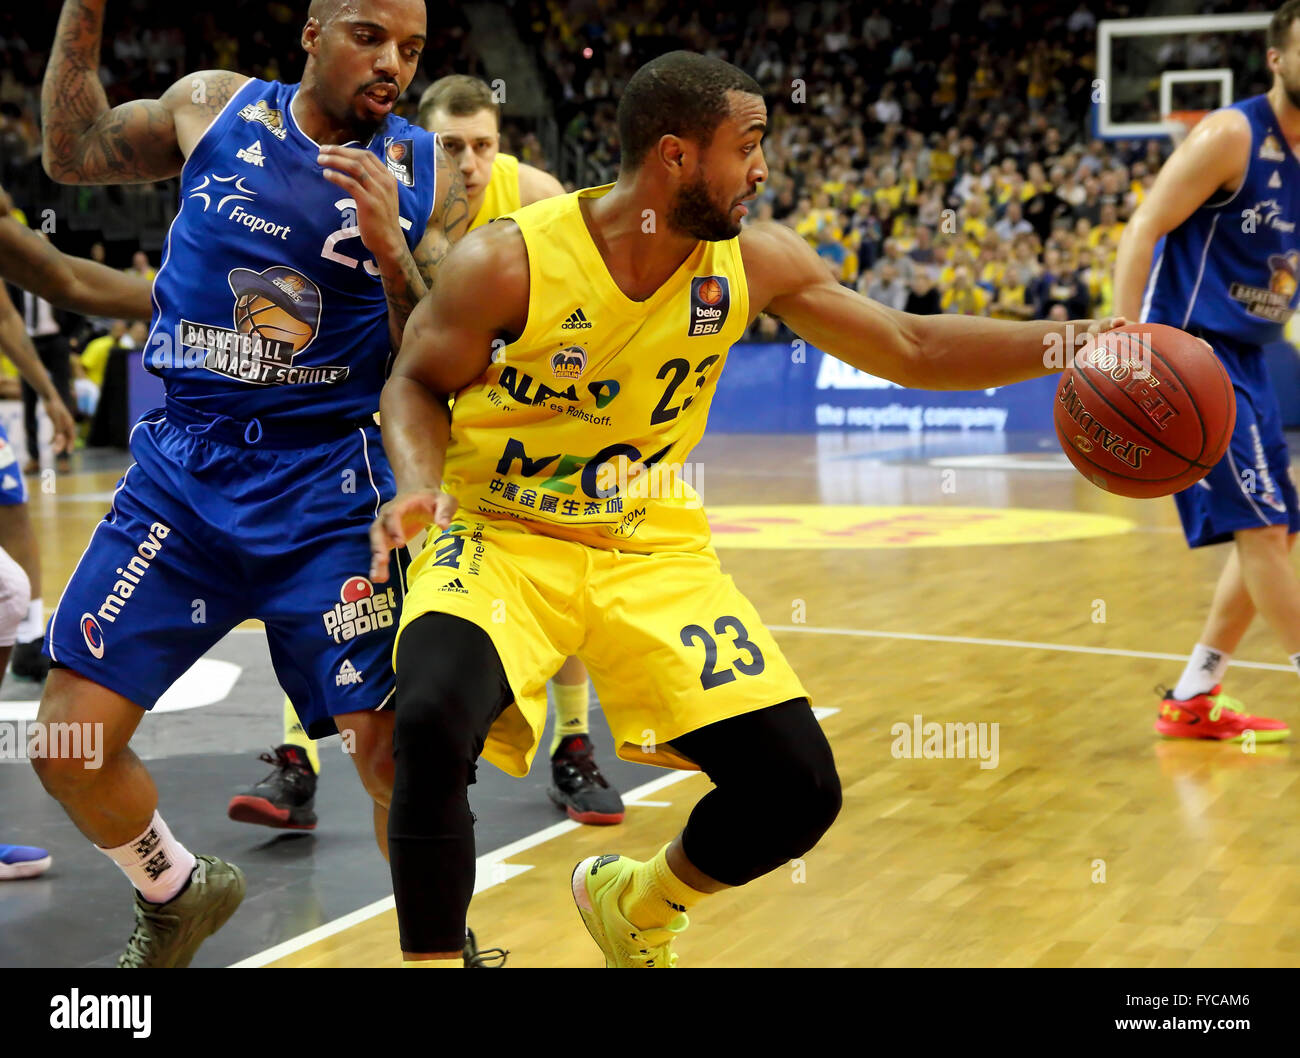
(403, 517)
(6, 203)
(374, 189)
(1109, 323)
(65, 426)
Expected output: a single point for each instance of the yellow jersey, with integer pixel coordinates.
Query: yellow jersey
(559, 431)
(502, 193)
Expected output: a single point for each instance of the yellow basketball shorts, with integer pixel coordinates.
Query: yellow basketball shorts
(670, 642)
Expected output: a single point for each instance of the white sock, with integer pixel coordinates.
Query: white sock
(1205, 668)
(32, 626)
(157, 864)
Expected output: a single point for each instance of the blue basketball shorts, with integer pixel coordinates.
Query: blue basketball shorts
(208, 529)
(1251, 485)
(13, 490)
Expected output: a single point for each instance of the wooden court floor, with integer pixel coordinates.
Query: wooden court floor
(1091, 842)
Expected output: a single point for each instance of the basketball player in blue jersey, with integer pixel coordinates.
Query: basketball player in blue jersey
(311, 221)
(1226, 206)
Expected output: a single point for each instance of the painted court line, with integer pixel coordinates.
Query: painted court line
(1019, 644)
(489, 870)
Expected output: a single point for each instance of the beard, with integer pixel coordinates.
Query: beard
(694, 212)
(1292, 91)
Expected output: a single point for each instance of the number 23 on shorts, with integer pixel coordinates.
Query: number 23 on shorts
(748, 660)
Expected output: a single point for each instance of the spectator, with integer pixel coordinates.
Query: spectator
(924, 298)
(890, 289)
(1013, 223)
(964, 297)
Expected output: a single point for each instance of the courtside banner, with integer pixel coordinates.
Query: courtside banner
(795, 388)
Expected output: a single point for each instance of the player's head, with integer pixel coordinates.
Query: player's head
(361, 56)
(699, 123)
(466, 117)
(1284, 49)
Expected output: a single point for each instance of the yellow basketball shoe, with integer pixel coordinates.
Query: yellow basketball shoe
(598, 882)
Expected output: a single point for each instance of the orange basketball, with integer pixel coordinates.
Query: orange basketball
(1147, 412)
(710, 291)
(255, 313)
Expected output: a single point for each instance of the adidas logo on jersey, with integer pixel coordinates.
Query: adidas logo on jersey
(577, 321)
(252, 154)
(1275, 180)
(455, 586)
(348, 674)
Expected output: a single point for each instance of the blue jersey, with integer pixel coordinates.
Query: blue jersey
(1231, 268)
(267, 304)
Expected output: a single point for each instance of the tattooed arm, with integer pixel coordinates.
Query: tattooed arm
(448, 222)
(85, 141)
(406, 276)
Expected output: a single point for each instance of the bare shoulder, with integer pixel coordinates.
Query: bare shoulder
(488, 269)
(777, 261)
(1221, 139)
(197, 98)
(536, 184)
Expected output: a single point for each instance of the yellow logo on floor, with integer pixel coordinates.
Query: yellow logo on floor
(812, 526)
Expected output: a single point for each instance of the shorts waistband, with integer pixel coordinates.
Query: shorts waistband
(269, 432)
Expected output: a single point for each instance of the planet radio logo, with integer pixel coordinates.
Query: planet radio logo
(360, 609)
(93, 635)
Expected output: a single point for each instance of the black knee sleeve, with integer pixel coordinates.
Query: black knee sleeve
(777, 791)
(450, 689)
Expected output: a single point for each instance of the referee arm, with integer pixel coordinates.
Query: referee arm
(480, 303)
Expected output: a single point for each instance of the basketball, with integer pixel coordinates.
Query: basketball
(255, 313)
(1147, 412)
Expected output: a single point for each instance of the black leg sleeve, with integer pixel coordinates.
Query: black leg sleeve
(777, 791)
(450, 689)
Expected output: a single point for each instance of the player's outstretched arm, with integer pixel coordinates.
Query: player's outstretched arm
(1212, 158)
(84, 141)
(73, 283)
(789, 281)
(17, 346)
(480, 300)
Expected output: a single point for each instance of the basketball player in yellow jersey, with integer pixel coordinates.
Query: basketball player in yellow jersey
(467, 119)
(576, 531)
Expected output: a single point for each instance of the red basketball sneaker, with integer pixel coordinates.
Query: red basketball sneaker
(1214, 715)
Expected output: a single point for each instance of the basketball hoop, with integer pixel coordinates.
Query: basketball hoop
(1181, 122)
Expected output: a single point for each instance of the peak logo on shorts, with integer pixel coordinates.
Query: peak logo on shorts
(358, 611)
(347, 674)
(710, 303)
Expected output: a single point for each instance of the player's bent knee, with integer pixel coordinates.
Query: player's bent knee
(15, 595)
(369, 737)
(449, 686)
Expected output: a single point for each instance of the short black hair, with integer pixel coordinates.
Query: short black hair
(681, 93)
(1281, 23)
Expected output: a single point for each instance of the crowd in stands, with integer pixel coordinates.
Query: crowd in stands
(934, 153)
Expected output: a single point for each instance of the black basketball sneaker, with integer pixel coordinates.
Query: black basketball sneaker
(487, 959)
(579, 788)
(28, 662)
(285, 798)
